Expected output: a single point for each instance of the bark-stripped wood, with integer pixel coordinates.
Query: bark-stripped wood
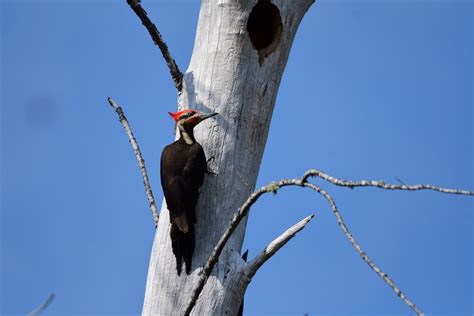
(227, 75)
(138, 154)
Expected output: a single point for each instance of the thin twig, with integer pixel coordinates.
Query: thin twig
(361, 252)
(138, 154)
(273, 187)
(275, 245)
(381, 184)
(43, 306)
(176, 74)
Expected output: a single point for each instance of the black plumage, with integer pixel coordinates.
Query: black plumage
(183, 166)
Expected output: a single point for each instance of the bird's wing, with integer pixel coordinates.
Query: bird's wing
(195, 167)
(193, 176)
(175, 194)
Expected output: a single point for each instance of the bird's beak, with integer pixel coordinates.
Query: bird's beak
(206, 116)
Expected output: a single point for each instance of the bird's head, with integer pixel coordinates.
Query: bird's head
(190, 118)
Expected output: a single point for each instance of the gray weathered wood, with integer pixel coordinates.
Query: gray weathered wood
(228, 76)
(275, 245)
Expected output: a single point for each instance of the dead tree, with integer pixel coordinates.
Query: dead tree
(240, 53)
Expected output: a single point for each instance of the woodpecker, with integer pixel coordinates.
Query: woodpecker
(183, 165)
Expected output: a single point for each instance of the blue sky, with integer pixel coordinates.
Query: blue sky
(372, 89)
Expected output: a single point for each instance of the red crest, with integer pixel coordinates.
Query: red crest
(176, 115)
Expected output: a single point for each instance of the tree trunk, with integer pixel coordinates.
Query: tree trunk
(240, 52)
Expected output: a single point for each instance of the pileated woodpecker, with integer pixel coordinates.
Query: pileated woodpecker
(183, 165)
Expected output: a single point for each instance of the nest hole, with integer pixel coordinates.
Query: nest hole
(265, 28)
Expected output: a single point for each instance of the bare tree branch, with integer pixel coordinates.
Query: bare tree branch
(273, 187)
(176, 74)
(238, 216)
(43, 306)
(138, 154)
(275, 245)
(362, 254)
(381, 184)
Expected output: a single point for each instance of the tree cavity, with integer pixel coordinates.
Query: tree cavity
(265, 28)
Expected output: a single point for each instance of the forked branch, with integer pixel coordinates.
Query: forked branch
(234, 222)
(176, 74)
(138, 154)
(273, 187)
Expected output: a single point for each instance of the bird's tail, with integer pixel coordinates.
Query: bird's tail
(183, 247)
